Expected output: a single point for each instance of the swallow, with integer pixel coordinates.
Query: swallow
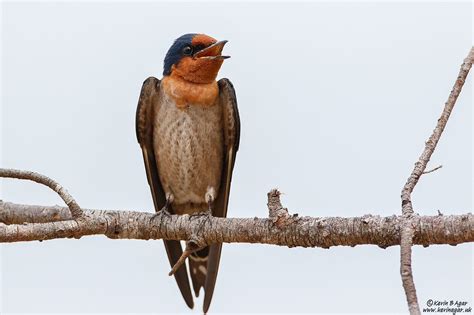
(188, 128)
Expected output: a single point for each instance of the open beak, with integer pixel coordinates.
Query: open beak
(212, 52)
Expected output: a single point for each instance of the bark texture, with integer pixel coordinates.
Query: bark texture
(292, 231)
(74, 208)
(407, 233)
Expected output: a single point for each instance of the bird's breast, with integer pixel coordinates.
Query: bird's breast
(189, 149)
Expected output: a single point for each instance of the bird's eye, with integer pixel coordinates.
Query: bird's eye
(188, 51)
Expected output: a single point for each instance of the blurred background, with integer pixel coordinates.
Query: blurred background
(336, 100)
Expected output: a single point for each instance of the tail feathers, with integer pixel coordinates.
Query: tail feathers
(198, 269)
(174, 250)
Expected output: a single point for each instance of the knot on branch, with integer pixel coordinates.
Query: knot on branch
(277, 214)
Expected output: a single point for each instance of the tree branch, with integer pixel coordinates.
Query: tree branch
(12, 213)
(76, 211)
(407, 233)
(294, 231)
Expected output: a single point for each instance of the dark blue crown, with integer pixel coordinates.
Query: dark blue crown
(175, 53)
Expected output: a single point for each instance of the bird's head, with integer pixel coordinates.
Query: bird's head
(195, 57)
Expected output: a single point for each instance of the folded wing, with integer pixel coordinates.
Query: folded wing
(148, 105)
(228, 101)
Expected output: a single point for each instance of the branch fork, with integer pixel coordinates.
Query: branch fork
(407, 233)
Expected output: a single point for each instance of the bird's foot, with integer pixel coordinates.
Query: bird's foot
(163, 213)
(209, 206)
(206, 218)
(165, 210)
(205, 213)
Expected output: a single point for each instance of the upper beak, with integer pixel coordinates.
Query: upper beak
(212, 52)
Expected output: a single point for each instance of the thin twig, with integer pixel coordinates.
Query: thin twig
(433, 170)
(191, 247)
(430, 145)
(407, 208)
(76, 211)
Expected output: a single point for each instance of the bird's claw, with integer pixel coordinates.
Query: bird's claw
(162, 213)
(207, 213)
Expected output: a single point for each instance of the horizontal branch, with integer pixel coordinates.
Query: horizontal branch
(13, 213)
(284, 230)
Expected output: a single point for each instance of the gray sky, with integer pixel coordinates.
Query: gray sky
(336, 101)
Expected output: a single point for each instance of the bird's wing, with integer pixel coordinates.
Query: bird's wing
(148, 106)
(231, 120)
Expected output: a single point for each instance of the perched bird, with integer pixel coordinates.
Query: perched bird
(188, 127)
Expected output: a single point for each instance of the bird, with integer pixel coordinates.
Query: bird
(188, 128)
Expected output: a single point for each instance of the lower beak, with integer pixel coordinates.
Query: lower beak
(212, 52)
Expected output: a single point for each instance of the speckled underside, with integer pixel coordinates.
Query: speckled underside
(188, 145)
